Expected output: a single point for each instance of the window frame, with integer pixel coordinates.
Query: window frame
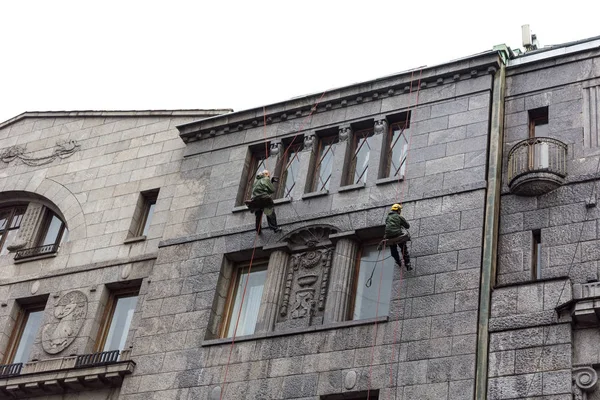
(330, 141)
(17, 332)
(536, 256)
(4, 235)
(47, 220)
(296, 148)
(537, 116)
(370, 132)
(256, 158)
(238, 269)
(150, 199)
(389, 149)
(109, 312)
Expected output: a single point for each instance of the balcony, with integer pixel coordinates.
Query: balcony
(63, 375)
(537, 166)
(35, 252)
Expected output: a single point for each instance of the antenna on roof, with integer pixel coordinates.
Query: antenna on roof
(530, 42)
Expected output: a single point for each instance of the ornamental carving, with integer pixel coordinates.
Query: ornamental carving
(585, 380)
(310, 236)
(380, 126)
(63, 149)
(305, 290)
(275, 148)
(69, 315)
(309, 142)
(344, 134)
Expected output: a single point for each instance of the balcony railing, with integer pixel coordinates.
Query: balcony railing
(36, 251)
(9, 370)
(97, 359)
(537, 166)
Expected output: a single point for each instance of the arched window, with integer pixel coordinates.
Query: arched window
(10, 222)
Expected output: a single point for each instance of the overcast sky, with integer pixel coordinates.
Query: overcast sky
(82, 55)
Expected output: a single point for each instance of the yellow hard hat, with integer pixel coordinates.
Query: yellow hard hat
(396, 207)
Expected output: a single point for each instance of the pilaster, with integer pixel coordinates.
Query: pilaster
(267, 313)
(341, 156)
(342, 273)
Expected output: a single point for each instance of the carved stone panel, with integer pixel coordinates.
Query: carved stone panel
(63, 149)
(69, 315)
(305, 291)
(29, 227)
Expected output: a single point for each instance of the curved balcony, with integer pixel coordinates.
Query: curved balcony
(537, 166)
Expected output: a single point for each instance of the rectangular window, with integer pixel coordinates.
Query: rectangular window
(536, 255)
(538, 122)
(117, 320)
(244, 300)
(373, 394)
(27, 326)
(289, 174)
(257, 164)
(397, 149)
(371, 263)
(148, 211)
(10, 221)
(324, 163)
(539, 156)
(359, 163)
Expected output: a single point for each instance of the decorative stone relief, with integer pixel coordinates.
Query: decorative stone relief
(69, 313)
(585, 380)
(380, 126)
(35, 286)
(309, 142)
(275, 148)
(63, 149)
(305, 291)
(344, 134)
(29, 227)
(215, 394)
(310, 236)
(350, 380)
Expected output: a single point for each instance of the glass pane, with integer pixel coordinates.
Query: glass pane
(324, 167)
(363, 151)
(10, 238)
(365, 302)
(398, 150)
(119, 325)
(32, 325)
(291, 172)
(258, 165)
(17, 218)
(4, 215)
(541, 130)
(148, 219)
(249, 312)
(65, 236)
(53, 231)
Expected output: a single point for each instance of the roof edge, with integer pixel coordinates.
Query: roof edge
(201, 113)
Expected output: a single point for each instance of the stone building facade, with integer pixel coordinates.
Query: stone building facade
(130, 267)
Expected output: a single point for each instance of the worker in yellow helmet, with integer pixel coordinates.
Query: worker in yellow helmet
(397, 236)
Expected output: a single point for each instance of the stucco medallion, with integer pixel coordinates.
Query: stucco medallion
(215, 394)
(35, 286)
(350, 380)
(69, 315)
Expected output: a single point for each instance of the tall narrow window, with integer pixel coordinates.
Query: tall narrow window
(324, 163)
(539, 156)
(371, 264)
(536, 255)
(244, 299)
(397, 149)
(148, 211)
(257, 164)
(359, 163)
(289, 173)
(117, 320)
(27, 326)
(10, 221)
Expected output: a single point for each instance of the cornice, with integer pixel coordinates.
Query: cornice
(298, 109)
(118, 114)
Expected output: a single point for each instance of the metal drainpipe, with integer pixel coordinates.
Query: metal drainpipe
(490, 231)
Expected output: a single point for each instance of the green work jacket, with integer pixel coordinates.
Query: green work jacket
(395, 225)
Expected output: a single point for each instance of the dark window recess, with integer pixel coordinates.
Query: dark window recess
(536, 255)
(52, 233)
(97, 359)
(372, 394)
(148, 211)
(10, 222)
(538, 122)
(6, 371)
(257, 164)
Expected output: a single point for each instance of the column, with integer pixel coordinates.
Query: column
(378, 152)
(343, 154)
(269, 305)
(340, 287)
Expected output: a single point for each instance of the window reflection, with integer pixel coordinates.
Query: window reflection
(29, 329)
(10, 221)
(397, 150)
(290, 173)
(360, 161)
(120, 322)
(249, 310)
(370, 266)
(324, 164)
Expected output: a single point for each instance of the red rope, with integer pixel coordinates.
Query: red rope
(376, 315)
(238, 318)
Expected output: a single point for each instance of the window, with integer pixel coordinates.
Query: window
(148, 212)
(397, 149)
(289, 173)
(324, 164)
(27, 326)
(10, 221)
(258, 163)
(370, 264)
(373, 394)
(247, 313)
(359, 163)
(539, 157)
(538, 122)
(536, 255)
(117, 320)
(53, 230)
(142, 217)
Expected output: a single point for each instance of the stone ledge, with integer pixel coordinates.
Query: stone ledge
(58, 381)
(348, 188)
(35, 258)
(134, 239)
(317, 328)
(392, 179)
(312, 195)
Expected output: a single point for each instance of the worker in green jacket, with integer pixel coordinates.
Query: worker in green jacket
(262, 190)
(395, 233)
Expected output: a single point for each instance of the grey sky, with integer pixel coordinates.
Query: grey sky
(82, 55)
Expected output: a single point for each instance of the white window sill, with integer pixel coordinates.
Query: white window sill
(349, 188)
(312, 195)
